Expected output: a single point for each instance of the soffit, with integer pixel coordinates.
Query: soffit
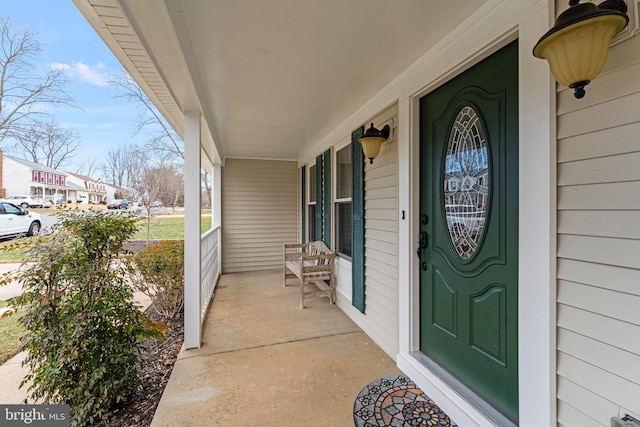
(270, 77)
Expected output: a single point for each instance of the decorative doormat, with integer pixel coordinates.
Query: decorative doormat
(397, 401)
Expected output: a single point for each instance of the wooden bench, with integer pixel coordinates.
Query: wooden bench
(309, 262)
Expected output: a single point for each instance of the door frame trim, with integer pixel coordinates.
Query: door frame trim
(537, 243)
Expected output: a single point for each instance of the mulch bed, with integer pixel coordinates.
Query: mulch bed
(158, 360)
(134, 246)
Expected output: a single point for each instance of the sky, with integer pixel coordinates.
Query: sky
(102, 121)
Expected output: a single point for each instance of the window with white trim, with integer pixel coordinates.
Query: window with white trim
(311, 204)
(343, 230)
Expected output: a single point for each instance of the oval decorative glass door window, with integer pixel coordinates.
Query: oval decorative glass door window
(466, 182)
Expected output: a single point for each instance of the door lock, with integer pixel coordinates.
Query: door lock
(423, 243)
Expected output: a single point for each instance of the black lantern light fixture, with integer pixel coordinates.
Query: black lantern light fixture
(372, 140)
(578, 44)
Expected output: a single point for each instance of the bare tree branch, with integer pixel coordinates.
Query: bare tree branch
(48, 144)
(25, 93)
(157, 179)
(88, 168)
(120, 165)
(163, 137)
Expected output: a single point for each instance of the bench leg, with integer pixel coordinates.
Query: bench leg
(332, 285)
(301, 293)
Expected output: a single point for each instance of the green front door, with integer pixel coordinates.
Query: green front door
(469, 230)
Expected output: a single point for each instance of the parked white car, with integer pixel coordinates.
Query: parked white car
(24, 201)
(45, 203)
(15, 221)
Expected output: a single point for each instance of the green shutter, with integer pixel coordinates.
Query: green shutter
(326, 197)
(303, 206)
(357, 203)
(319, 197)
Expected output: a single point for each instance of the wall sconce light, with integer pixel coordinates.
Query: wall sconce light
(372, 140)
(578, 44)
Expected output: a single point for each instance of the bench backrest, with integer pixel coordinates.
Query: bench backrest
(319, 248)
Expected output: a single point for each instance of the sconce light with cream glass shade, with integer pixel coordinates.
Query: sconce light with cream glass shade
(577, 46)
(372, 140)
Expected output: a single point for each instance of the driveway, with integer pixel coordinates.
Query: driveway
(14, 289)
(48, 220)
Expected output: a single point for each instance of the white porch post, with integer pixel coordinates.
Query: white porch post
(192, 273)
(216, 208)
(537, 232)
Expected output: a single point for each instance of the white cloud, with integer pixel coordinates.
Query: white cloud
(60, 67)
(96, 75)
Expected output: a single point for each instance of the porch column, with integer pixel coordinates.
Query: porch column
(192, 273)
(408, 156)
(216, 208)
(537, 275)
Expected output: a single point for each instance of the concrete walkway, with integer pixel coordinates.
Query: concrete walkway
(13, 289)
(267, 362)
(11, 372)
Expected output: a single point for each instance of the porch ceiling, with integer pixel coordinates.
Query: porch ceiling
(270, 77)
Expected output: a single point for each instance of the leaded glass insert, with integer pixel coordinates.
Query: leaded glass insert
(466, 182)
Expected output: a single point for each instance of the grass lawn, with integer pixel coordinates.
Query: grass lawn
(14, 255)
(10, 334)
(167, 227)
(162, 228)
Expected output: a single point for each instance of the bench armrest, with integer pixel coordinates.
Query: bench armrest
(292, 251)
(293, 255)
(295, 245)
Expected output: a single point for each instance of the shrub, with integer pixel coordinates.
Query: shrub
(158, 272)
(83, 328)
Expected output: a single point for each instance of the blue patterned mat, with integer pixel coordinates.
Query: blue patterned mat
(396, 401)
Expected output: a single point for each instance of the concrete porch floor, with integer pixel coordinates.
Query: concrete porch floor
(264, 361)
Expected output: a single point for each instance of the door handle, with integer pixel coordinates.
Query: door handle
(423, 242)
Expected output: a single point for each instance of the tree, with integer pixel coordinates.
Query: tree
(48, 144)
(25, 91)
(163, 138)
(120, 165)
(205, 178)
(173, 185)
(88, 168)
(156, 177)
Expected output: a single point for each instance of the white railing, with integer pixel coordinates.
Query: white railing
(209, 267)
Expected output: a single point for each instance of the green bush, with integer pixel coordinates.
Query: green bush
(83, 328)
(158, 272)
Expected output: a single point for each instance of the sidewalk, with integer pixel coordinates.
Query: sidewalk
(11, 371)
(13, 289)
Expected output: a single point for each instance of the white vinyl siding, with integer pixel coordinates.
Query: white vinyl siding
(381, 240)
(259, 213)
(380, 319)
(598, 317)
(299, 205)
